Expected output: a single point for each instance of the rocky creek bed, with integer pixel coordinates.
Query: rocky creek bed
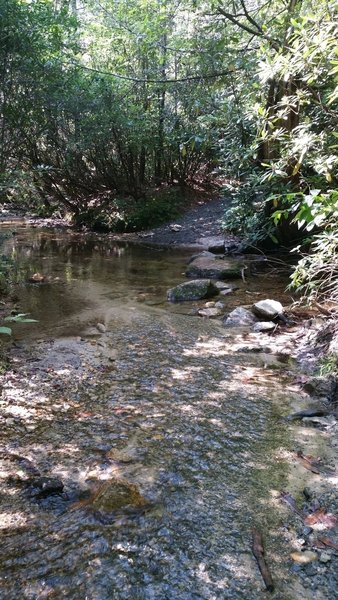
(141, 443)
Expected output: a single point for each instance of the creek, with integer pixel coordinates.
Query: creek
(166, 435)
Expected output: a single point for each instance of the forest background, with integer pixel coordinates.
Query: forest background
(112, 110)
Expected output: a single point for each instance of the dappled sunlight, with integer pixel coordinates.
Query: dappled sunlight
(185, 374)
(143, 449)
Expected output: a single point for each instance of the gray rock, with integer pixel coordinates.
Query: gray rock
(207, 265)
(220, 305)
(239, 317)
(222, 285)
(192, 290)
(320, 386)
(214, 244)
(269, 309)
(325, 557)
(262, 326)
(102, 328)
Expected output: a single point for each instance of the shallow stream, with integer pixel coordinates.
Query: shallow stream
(167, 438)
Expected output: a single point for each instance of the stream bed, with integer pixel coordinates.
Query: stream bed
(141, 444)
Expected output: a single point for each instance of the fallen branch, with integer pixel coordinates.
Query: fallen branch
(258, 552)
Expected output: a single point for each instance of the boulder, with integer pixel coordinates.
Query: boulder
(268, 309)
(208, 265)
(192, 290)
(240, 317)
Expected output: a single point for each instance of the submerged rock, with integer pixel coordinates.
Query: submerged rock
(192, 290)
(114, 495)
(36, 278)
(304, 558)
(239, 317)
(268, 309)
(208, 265)
(41, 487)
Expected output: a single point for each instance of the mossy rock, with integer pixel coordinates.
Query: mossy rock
(197, 289)
(116, 494)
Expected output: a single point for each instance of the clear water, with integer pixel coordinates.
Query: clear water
(158, 402)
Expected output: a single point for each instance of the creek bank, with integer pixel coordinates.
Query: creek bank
(276, 334)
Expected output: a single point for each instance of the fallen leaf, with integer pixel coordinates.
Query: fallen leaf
(327, 542)
(320, 517)
(307, 463)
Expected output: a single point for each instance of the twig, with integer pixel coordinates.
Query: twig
(258, 552)
(323, 310)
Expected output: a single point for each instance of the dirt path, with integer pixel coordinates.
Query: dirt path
(195, 227)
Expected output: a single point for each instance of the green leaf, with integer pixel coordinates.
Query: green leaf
(6, 330)
(20, 318)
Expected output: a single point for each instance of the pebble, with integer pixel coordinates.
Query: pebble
(307, 530)
(325, 557)
(102, 328)
(220, 305)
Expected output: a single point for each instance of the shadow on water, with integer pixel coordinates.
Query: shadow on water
(168, 453)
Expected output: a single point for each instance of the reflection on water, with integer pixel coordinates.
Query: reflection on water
(168, 456)
(86, 276)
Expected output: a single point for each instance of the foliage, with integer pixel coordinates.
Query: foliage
(128, 214)
(316, 274)
(328, 366)
(19, 318)
(101, 104)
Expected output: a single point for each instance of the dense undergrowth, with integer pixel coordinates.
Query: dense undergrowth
(102, 105)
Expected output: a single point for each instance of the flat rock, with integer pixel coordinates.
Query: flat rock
(214, 267)
(210, 312)
(197, 289)
(214, 244)
(222, 285)
(113, 495)
(262, 326)
(268, 309)
(240, 317)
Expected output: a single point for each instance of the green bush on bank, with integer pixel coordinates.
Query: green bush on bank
(127, 214)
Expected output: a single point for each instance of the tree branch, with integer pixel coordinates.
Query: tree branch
(145, 80)
(256, 32)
